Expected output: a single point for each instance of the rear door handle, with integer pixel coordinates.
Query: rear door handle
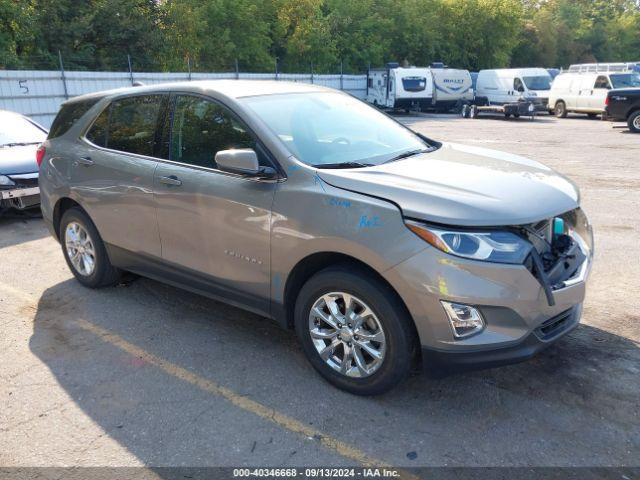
(85, 161)
(170, 180)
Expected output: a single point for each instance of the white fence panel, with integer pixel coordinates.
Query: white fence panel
(38, 94)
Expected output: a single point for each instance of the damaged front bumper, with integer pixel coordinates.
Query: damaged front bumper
(20, 198)
(519, 318)
(22, 193)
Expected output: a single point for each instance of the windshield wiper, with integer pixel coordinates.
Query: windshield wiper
(410, 153)
(342, 165)
(19, 144)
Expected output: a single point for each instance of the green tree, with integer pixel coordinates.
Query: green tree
(361, 30)
(216, 33)
(16, 32)
(479, 33)
(302, 36)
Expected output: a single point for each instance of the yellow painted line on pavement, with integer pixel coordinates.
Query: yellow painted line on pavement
(343, 449)
(16, 292)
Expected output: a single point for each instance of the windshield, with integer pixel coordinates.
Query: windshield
(323, 128)
(542, 82)
(16, 129)
(625, 80)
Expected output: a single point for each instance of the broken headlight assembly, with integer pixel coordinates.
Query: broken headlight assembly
(555, 251)
(499, 246)
(561, 257)
(6, 182)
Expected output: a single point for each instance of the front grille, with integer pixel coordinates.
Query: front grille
(555, 325)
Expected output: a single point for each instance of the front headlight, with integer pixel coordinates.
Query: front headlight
(6, 181)
(490, 246)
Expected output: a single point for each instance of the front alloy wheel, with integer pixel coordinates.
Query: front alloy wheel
(347, 334)
(354, 329)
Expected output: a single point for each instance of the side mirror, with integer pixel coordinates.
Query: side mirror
(521, 89)
(242, 161)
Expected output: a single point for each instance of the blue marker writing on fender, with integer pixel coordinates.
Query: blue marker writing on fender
(337, 202)
(369, 222)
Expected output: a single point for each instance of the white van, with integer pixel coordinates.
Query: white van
(510, 85)
(584, 90)
(417, 88)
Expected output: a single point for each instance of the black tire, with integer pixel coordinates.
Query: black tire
(634, 122)
(474, 112)
(104, 273)
(400, 335)
(560, 109)
(516, 115)
(592, 115)
(507, 115)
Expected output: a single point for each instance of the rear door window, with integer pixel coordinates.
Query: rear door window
(202, 127)
(133, 124)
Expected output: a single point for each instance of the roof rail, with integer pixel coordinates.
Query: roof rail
(603, 67)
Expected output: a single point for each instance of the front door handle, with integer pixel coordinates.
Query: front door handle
(170, 180)
(86, 161)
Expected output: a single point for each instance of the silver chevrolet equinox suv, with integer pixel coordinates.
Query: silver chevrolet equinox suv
(383, 249)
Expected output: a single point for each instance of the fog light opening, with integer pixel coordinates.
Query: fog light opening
(464, 319)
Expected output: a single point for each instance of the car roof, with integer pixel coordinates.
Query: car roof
(13, 115)
(10, 113)
(228, 88)
(515, 71)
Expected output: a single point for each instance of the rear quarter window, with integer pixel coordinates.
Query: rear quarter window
(97, 134)
(69, 114)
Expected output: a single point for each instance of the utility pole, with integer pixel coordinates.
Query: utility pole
(130, 69)
(63, 77)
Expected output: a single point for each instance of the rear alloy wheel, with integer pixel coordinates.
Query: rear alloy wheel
(561, 109)
(354, 330)
(84, 250)
(634, 122)
(80, 249)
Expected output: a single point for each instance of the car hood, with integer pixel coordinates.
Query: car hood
(465, 186)
(17, 160)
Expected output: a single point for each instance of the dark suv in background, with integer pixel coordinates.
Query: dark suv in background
(623, 104)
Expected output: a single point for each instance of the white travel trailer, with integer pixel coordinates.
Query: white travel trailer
(583, 88)
(435, 88)
(512, 85)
